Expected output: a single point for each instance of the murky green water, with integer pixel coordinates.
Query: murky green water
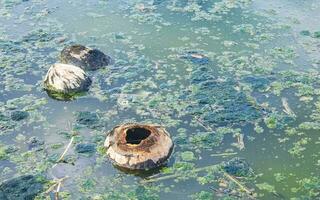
(211, 72)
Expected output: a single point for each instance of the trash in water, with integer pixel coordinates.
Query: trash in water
(138, 146)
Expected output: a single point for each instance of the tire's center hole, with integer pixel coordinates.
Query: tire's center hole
(136, 135)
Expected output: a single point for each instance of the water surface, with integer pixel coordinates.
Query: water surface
(258, 78)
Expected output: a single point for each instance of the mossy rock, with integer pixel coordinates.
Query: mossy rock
(57, 95)
(64, 82)
(84, 57)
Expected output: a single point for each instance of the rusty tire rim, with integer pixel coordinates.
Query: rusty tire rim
(138, 146)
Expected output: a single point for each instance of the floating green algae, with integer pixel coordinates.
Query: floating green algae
(216, 101)
(224, 77)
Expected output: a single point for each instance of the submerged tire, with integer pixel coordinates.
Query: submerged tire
(84, 57)
(138, 146)
(66, 79)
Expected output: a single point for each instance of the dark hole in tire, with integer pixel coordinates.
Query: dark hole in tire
(136, 135)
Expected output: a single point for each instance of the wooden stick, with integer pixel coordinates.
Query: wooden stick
(228, 176)
(287, 108)
(242, 187)
(224, 154)
(51, 188)
(177, 175)
(65, 151)
(56, 195)
(57, 182)
(240, 141)
(208, 128)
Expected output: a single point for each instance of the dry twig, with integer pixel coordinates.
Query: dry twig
(177, 175)
(242, 187)
(64, 152)
(287, 108)
(224, 154)
(226, 175)
(57, 185)
(201, 123)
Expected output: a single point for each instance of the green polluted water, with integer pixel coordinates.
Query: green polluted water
(235, 82)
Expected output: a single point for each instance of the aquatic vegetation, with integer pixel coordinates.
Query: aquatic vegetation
(64, 96)
(3, 153)
(309, 187)
(187, 156)
(203, 195)
(285, 54)
(266, 187)
(298, 147)
(258, 83)
(218, 75)
(86, 118)
(206, 140)
(305, 33)
(35, 143)
(226, 106)
(19, 115)
(23, 187)
(85, 148)
(238, 167)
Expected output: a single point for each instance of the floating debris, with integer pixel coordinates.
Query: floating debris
(240, 141)
(138, 146)
(287, 108)
(66, 79)
(84, 57)
(195, 57)
(224, 154)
